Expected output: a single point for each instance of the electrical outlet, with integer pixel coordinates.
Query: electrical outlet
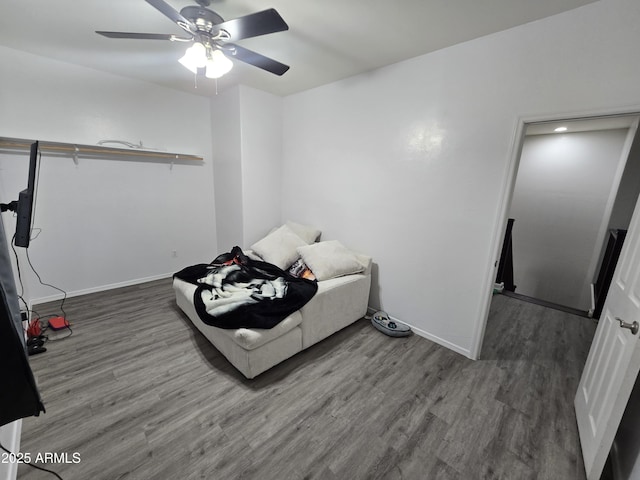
(174, 253)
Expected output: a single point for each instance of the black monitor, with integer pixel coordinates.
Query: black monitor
(19, 396)
(26, 202)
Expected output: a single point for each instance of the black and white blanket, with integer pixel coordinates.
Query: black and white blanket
(236, 291)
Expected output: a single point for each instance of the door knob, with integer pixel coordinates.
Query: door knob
(634, 327)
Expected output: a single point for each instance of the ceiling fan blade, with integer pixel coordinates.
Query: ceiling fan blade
(253, 25)
(167, 10)
(142, 36)
(255, 59)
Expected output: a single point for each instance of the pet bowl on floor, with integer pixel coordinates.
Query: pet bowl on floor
(393, 328)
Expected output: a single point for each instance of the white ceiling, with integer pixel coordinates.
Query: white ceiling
(327, 40)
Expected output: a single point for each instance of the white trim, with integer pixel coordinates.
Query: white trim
(11, 431)
(584, 115)
(606, 218)
(101, 288)
(500, 220)
(429, 336)
(507, 193)
(440, 341)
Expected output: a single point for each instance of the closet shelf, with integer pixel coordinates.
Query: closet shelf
(93, 150)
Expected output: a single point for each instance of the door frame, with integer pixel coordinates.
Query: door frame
(506, 197)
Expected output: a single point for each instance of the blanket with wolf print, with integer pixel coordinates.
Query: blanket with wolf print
(236, 291)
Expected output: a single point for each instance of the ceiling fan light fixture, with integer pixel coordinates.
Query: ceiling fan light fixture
(195, 57)
(187, 62)
(217, 65)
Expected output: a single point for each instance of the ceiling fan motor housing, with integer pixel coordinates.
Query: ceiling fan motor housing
(203, 18)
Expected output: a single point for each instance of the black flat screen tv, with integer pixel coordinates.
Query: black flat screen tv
(26, 201)
(19, 396)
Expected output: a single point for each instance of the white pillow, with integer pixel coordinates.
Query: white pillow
(279, 247)
(305, 232)
(329, 259)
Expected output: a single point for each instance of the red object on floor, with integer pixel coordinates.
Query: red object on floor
(34, 329)
(58, 323)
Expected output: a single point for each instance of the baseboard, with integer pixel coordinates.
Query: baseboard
(100, 288)
(544, 303)
(434, 338)
(10, 439)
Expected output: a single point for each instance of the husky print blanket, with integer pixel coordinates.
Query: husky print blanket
(236, 291)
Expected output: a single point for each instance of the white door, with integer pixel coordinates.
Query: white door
(614, 359)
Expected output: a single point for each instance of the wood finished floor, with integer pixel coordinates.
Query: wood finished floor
(140, 394)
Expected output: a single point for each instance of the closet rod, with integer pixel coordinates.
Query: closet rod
(74, 148)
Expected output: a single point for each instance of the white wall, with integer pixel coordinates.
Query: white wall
(559, 205)
(106, 222)
(261, 162)
(410, 163)
(227, 160)
(247, 145)
(628, 191)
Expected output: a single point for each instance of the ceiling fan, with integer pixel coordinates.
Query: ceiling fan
(210, 37)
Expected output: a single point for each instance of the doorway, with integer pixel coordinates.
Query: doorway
(621, 201)
(577, 181)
